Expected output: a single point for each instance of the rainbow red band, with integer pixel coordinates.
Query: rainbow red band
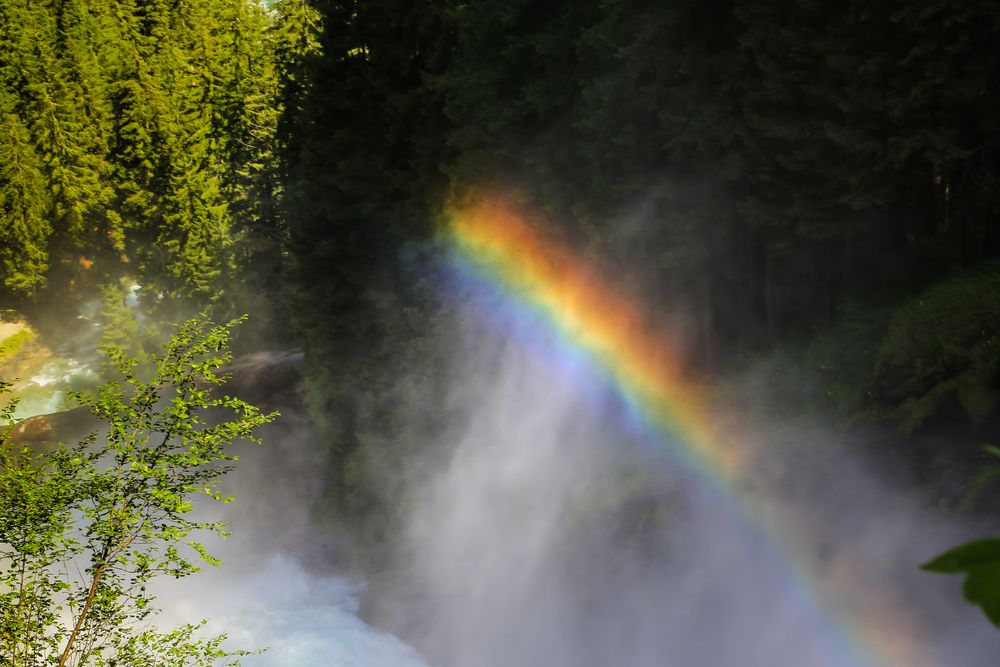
(495, 238)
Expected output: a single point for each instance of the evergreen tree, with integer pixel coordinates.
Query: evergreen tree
(152, 127)
(87, 527)
(365, 145)
(24, 204)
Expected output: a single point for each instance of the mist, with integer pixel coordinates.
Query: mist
(275, 589)
(475, 466)
(560, 532)
(546, 525)
(554, 529)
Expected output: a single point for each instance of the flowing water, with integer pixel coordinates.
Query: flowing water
(275, 589)
(303, 619)
(553, 532)
(46, 390)
(262, 596)
(45, 376)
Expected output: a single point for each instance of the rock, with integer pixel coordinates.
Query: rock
(53, 427)
(266, 379)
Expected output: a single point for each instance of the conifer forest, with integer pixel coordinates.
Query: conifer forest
(463, 333)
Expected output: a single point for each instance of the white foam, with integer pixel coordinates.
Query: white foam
(304, 620)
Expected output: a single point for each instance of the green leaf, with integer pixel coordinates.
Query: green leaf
(982, 588)
(980, 560)
(966, 557)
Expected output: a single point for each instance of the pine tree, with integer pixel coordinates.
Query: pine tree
(24, 205)
(153, 126)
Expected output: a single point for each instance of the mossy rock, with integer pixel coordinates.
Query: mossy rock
(14, 346)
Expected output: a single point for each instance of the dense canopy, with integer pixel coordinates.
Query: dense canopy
(802, 178)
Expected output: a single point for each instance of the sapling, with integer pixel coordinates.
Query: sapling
(85, 528)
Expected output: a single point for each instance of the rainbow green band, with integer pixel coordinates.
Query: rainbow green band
(494, 238)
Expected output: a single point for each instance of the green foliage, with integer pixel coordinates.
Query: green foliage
(766, 169)
(12, 345)
(845, 355)
(979, 561)
(984, 479)
(126, 328)
(84, 528)
(120, 328)
(142, 137)
(24, 203)
(942, 344)
(363, 149)
(907, 359)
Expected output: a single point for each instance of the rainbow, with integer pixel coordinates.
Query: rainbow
(495, 239)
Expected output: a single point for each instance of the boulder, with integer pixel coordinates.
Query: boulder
(266, 379)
